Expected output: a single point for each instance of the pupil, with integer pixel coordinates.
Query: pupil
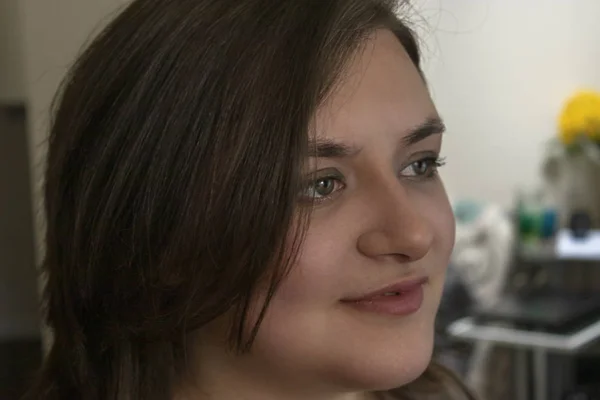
(324, 187)
(420, 167)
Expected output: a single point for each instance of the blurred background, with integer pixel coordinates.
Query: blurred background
(516, 82)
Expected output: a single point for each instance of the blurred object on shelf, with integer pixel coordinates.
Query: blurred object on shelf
(467, 211)
(482, 252)
(580, 224)
(456, 303)
(541, 237)
(481, 258)
(548, 223)
(580, 117)
(576, 246)
(572, 167)
(537, 218)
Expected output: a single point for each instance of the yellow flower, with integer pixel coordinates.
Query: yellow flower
(580, 116)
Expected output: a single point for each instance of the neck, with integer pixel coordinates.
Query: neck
(254, 392)
(240, 377)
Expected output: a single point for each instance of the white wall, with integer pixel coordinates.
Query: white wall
(499, 71)
(12, 89)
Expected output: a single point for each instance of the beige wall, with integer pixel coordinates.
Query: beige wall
(52, 34)
(12, 89)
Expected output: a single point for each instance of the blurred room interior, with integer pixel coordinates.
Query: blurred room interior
(518, 86)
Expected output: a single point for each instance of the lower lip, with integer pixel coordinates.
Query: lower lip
(406, 303)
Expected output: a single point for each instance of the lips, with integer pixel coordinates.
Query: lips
(399, 299)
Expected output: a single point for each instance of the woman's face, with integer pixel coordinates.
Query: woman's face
(381, 222)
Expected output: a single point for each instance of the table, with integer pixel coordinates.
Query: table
(523, 341)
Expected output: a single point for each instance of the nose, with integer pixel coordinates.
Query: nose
(400, 230)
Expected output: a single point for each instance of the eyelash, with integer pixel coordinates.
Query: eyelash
(433, 163)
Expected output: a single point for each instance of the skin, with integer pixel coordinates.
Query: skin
(388, 219)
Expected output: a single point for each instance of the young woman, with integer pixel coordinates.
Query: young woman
(242, 202)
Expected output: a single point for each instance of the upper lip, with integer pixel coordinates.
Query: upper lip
(398, 287)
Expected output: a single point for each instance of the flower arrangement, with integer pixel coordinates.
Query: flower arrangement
(580, 119)
(572, 165)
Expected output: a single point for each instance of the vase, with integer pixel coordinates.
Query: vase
(573, 180)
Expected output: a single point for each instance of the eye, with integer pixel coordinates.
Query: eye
(424, 168)
(322, 188)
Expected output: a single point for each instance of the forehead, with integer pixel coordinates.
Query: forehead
(381, 92)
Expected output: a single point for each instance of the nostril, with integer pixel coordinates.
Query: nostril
(400, 244)
(401, 258)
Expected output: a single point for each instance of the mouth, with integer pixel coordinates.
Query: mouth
(400, 299)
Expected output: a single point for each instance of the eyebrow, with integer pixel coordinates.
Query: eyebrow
(328, 148)
(432, 126)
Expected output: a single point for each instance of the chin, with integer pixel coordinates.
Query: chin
(380, 367)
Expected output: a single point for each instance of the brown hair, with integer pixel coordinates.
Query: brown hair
(172, 177)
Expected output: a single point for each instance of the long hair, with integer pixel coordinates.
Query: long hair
(173, 169)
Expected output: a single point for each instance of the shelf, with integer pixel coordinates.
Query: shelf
(468, 329)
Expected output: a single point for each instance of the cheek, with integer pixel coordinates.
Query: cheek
(316, 276)
(298, 323)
